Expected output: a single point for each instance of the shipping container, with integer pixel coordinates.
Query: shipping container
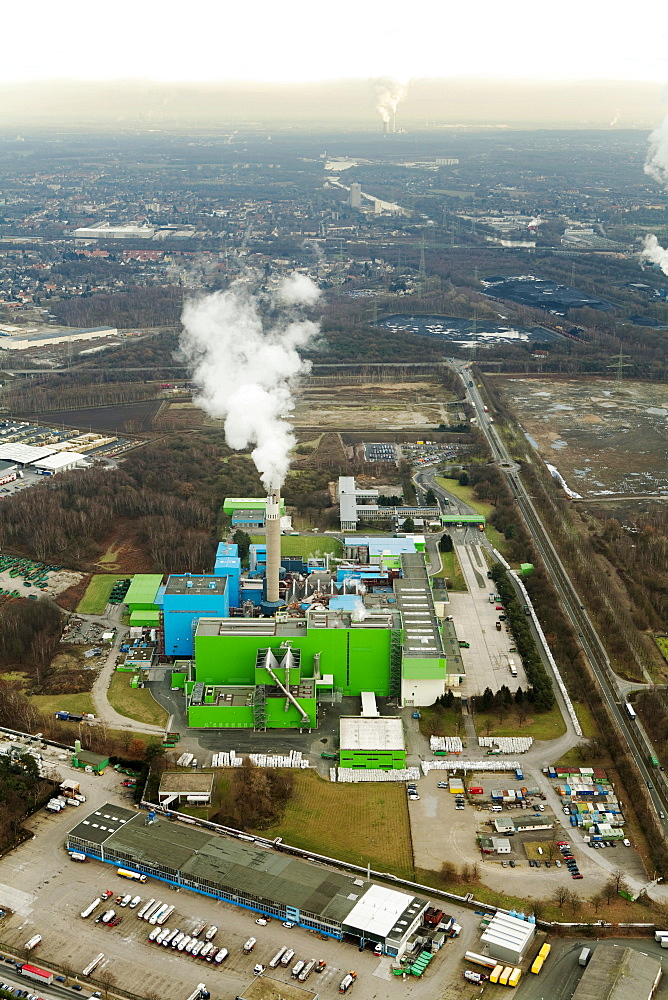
(496, 973)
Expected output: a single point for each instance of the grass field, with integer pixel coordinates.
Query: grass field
(51, 703)
(139, 705)
(305, 545)
(542, 726)
(94, 601)
(662, 643)
(452, 571)
(356, 823)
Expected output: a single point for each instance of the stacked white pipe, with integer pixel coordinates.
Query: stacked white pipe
(293, 759)
(353, 775)
(451, 744)
(469, 765)
(507, 744)
(226, 759)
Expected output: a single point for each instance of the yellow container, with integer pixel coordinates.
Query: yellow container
(545, 950)
(537, 965)
(494, 978)
(515, 977)
(505, 975)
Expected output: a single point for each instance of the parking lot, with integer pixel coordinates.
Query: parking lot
(486, 658)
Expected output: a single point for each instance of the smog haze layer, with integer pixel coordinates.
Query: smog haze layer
(344, 104)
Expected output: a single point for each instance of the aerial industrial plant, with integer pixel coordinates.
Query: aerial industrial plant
(256, 649)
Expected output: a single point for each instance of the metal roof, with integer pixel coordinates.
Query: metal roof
(237, 868)
(23, 453)
(143, 589)
(195, 585)
(422, 635)
(359, 733)
(99, 826)
(617, 973)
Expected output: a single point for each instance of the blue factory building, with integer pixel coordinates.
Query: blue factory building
(228, 564)
(187, 599)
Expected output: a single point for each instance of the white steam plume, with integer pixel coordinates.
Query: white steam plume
(245, 368)
(656, 164)
(654, 252)
(388, 94)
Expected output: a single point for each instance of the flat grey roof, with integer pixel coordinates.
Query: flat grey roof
(230, 865)
(186, 782)
(422, 634)
(359, 733)
(617, 973)
(196, 585)
(100, 825)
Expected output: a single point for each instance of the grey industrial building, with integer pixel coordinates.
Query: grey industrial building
(617, 973)
(267, 881)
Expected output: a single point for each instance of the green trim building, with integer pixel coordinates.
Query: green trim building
(143, 591)
(372, 744)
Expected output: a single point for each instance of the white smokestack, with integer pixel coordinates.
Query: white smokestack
(272, 530)
(654, 252)
(245, 368)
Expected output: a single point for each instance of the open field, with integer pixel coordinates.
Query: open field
(305, 545)
(602, 437)
(94, 601)
(381, 405)
(50, 703)
(357, 823)
(542, 726)
(136, 704)
(452, 571)
(128, 418)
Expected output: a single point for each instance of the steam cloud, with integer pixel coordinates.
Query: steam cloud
(654, 252)
(388, 94)
(245, 367)
(656, 164)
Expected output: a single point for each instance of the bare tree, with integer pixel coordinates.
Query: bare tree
(107, 979)
(560, 896)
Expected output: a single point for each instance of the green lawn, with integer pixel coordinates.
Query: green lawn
(98, 591)
(138, 704)
(304, 546)
(662, 643)
(51, 703)
(542, 725)
(356, 823)
(452, 571)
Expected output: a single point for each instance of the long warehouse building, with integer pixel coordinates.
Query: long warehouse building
(260, 879)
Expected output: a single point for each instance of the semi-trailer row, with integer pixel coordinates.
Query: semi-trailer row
(180, 941)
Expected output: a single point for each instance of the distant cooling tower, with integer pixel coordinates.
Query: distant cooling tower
(272, 527)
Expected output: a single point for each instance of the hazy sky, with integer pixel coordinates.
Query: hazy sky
(301, 40)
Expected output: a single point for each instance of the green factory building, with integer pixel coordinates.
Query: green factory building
(265, 673)
(143, 592)
(372, 743)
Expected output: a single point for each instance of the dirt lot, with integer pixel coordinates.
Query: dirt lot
(602, 437)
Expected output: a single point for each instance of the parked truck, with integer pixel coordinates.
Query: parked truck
(347, 982)
(91, 906)
(39, 975)
(250, 944)
(33, 942)
(307, 970)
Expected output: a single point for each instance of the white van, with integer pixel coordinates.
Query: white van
(497, 809)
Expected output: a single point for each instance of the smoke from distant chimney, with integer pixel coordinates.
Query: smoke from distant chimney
(656, 164)
(654, 253)
(388, 93)
(245, 365)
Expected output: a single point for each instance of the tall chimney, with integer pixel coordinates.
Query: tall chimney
(272, 527)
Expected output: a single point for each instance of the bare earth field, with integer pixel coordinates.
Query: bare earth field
(380, 405)
(604, 438)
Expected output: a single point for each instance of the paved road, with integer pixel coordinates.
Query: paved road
(103, 710)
